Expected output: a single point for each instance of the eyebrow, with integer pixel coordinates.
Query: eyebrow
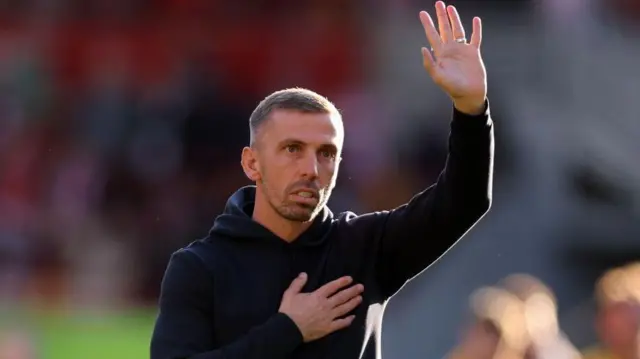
(293, 141)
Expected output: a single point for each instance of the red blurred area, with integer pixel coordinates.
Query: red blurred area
(322, 41)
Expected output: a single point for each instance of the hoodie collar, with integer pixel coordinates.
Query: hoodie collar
(236, 222)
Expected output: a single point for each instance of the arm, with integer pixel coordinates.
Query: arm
(416, 234)
(184, 327)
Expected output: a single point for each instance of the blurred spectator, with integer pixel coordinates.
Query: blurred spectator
(618, 318)
(515, 320)
(541, 317)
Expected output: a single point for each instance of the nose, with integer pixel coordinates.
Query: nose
(309, 167)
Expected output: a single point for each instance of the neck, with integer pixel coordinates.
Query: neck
(287, 230)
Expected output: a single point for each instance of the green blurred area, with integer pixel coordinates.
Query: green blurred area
(123, 335)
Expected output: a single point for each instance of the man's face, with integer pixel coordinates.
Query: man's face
(297, 156)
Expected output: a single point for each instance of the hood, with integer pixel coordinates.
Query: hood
(236, 222)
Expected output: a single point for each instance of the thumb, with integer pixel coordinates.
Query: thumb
(297, 284)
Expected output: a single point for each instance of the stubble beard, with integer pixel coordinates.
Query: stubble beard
(295, 212)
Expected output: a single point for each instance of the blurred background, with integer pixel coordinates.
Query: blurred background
(122, 121)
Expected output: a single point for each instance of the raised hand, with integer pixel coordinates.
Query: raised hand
(321, 312)
(455, 64)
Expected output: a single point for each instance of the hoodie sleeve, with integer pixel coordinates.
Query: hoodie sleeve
(184, 327)
(416, 234)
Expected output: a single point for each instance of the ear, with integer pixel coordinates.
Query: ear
(250, 164)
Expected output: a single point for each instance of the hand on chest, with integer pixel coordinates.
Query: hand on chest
(249, 291)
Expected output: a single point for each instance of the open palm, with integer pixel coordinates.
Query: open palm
(455, 65)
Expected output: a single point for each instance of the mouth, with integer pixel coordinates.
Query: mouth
(306, 195)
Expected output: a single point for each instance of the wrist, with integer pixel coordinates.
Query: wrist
(290, 326)
(471, 107)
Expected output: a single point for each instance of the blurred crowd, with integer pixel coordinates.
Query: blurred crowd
(518, 319)
(122, 125)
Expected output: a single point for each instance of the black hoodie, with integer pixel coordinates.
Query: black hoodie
(220, 295)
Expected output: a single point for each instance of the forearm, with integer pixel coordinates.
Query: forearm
(276, 339)
(462, 193)
(184, 327)
(418, 233)
(467, 180)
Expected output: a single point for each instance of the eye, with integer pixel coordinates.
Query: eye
(292, 148)
(327, 154)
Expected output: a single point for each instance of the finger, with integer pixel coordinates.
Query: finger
(443, 22)
(341, 323)
(297, 284)
(345, 295)
(428, 61)
(331, 288)
(476, 34)
(347, 307)
(456, 23)
(430, 30)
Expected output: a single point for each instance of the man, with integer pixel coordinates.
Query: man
(618, 315)
(279, 276)
(515, 319)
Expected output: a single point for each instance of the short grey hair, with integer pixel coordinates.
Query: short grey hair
(296, 99)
